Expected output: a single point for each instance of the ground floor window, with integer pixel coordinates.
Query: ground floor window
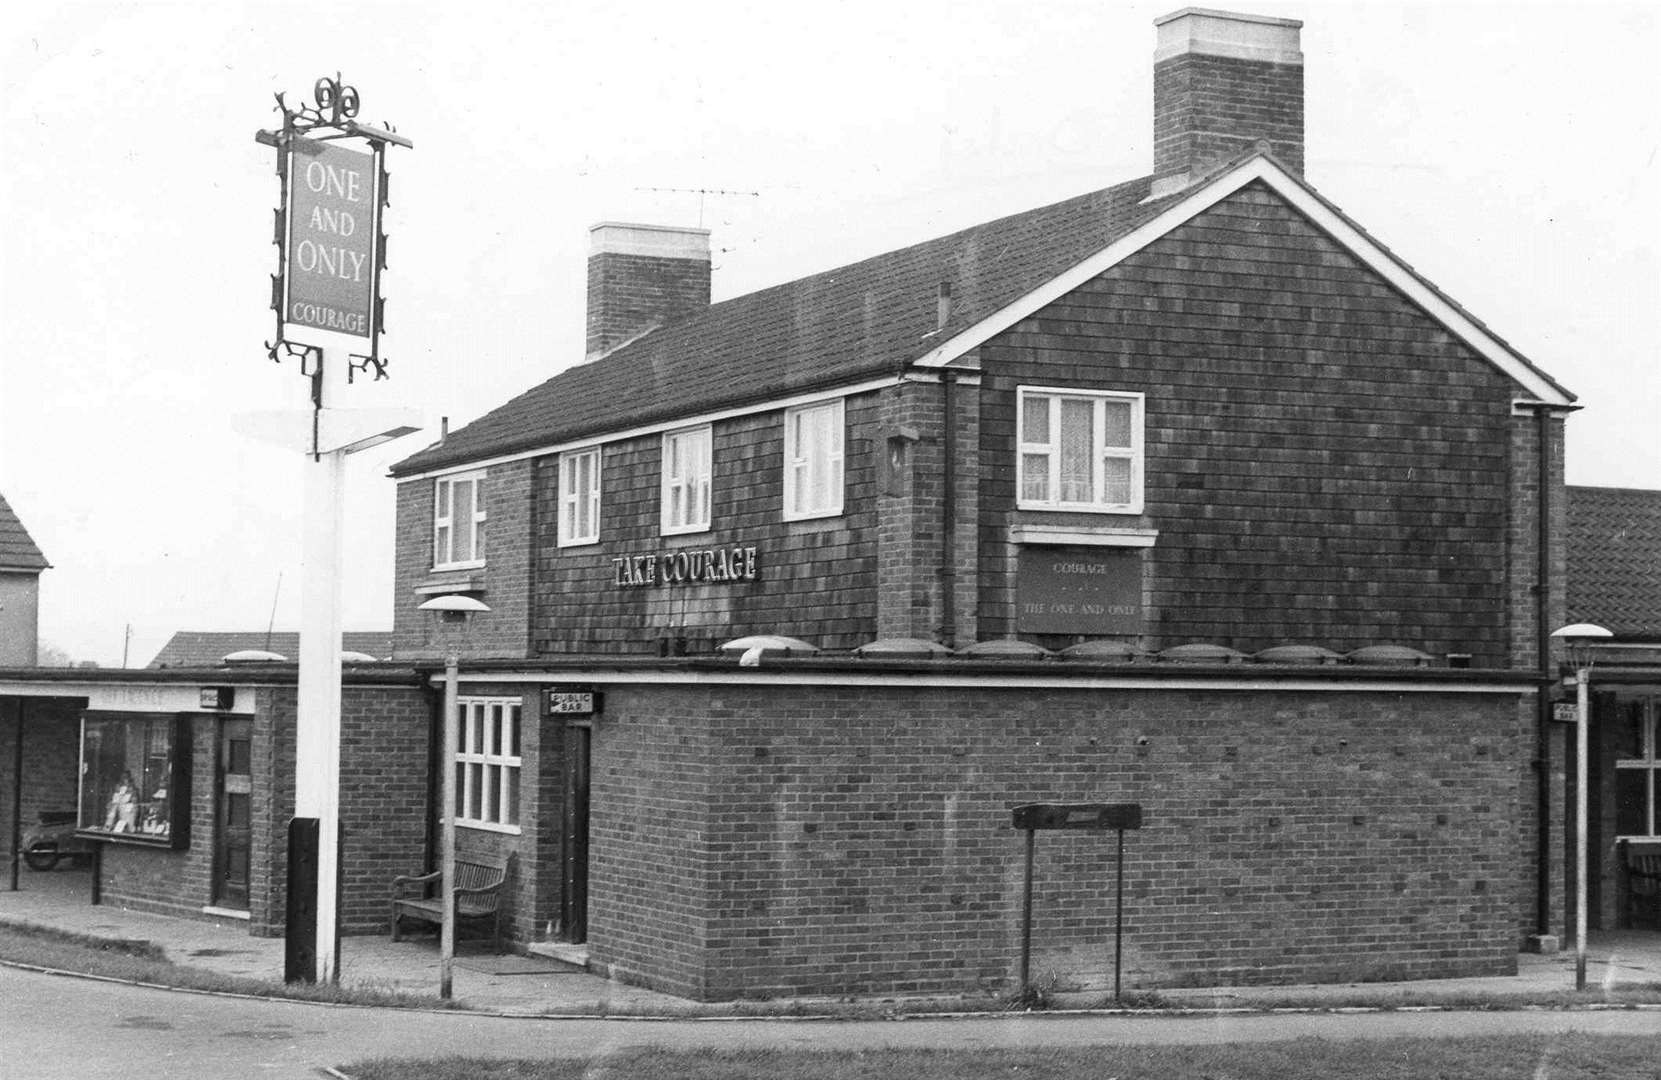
(487, 763)
(135, 777)
(1637, 763)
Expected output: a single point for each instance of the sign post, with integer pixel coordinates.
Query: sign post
(1032, 817)
(328, 307)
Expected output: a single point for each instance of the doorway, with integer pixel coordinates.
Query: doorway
(233, 832)
(573, 900)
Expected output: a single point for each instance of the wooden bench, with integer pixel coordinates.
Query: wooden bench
(1643, 878)
(479, 881)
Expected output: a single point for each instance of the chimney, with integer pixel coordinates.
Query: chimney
(641, 277)
(1222, 82)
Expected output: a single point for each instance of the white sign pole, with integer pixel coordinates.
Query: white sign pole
(317, 738)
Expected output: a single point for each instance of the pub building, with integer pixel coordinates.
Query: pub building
(1187, 494)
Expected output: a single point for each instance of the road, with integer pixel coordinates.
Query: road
(60, 1028)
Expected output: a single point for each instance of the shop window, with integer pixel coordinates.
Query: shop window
(686, 468)
(1080, 450)
(1637, 765)
(135, 778)
(458, 521)
(813, 461)
(579, 497)
(487, 763)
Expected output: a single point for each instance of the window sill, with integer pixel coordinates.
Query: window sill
(687, 530)
(485, 826)
(1083, 535)
(816, 515)
(450, 582)
(586, 542)
(470, 564)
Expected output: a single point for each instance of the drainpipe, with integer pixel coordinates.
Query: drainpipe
(1542, 650)
(948, 515)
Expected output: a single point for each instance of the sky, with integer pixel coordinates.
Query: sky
(1507, 151)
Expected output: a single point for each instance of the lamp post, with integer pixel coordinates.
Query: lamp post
(452, 608)
(1578, 639)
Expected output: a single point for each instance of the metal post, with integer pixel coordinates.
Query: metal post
(1026, 920)
(447, 816)
(1119, 919)
(1580, 842)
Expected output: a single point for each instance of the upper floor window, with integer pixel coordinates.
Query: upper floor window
(458, 520)
(579, 497)
(1080, 450)
(813, 461)
(686, 480)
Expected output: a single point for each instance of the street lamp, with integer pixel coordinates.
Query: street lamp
(450, 608)
(1578, 639)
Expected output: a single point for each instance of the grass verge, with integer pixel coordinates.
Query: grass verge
(144, 962)
(1561, 1057)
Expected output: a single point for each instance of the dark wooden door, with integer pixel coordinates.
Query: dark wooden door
(573, 904)
(233, 833)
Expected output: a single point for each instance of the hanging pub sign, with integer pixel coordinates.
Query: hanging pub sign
(329, 230)
(1078, 590)
(330, 264)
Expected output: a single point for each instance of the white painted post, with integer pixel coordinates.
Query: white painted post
(447, 814)
(1581, 742)
(317, 735)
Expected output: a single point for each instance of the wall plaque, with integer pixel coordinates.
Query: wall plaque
(1078, 590)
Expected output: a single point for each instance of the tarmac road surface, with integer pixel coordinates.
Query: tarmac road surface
(55, 1027)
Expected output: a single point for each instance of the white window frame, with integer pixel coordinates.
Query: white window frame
(1099, 450)
(1647, 764)
(478, 759)
(800, 462)
(686, 493)
(570, 500)
(445, 525)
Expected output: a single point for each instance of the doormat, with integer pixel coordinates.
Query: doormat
(516, 965)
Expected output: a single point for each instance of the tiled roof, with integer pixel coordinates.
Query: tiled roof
(1614, 560)
(859, 321)
(17, 548)
(206, 648)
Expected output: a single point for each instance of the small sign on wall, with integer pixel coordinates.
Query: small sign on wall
(571, 701)
(1078, 590)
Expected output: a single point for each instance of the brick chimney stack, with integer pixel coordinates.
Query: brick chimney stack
(1222, 82)
(641, 277)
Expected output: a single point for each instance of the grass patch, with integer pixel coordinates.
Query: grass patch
(144, 962)
(1564, 1057)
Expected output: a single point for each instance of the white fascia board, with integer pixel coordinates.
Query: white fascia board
(1204, 198)
(979, 681)
(659, 428)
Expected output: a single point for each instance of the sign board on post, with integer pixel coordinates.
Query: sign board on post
(334, 208)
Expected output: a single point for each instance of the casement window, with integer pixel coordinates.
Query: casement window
(1080, 450)
(1638, 767)
(813, 461)
(458, 521)
(686, 480)
(579, 497)
(487, 762)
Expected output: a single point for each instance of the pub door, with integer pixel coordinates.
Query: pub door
(573, 901)
(233, 832)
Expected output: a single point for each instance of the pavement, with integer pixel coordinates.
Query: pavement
(515, 985)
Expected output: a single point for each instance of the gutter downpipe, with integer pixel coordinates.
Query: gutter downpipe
(1542, 649)
(948, 515)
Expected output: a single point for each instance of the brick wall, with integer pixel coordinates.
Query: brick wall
(815, 579)
(1324, 463)
(628, 294)
(1209, 110)
(51, 730)
(753, 840)
(503, 583)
